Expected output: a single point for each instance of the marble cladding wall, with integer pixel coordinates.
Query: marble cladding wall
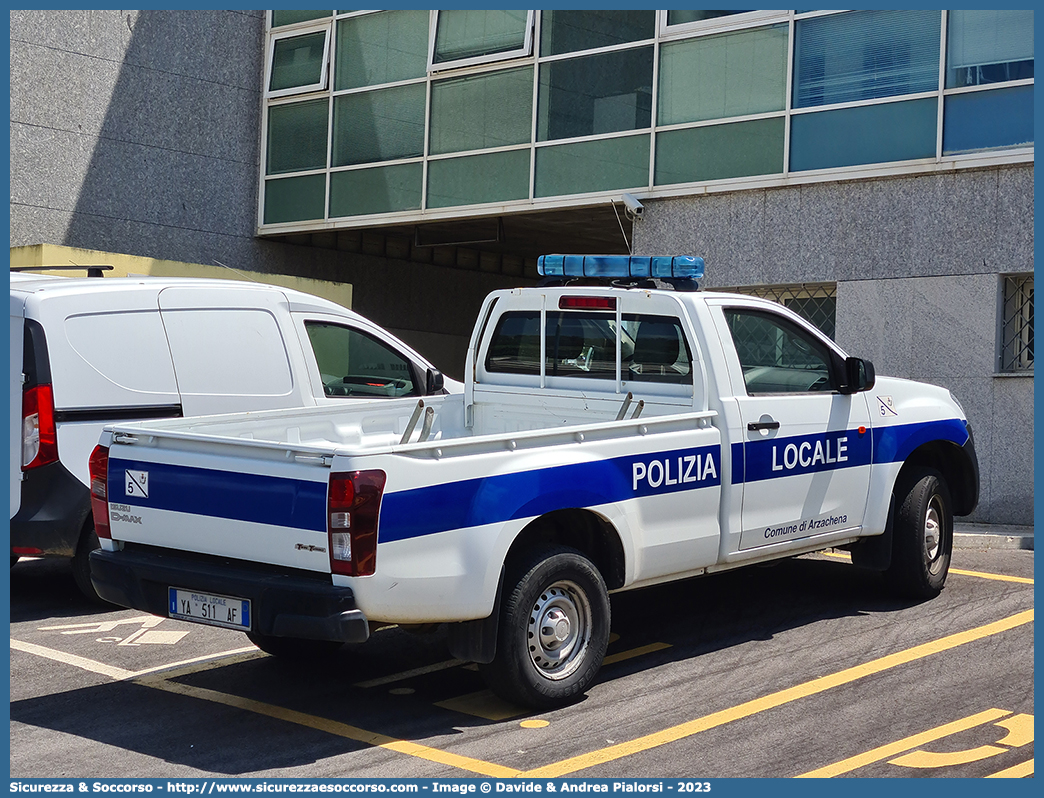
(139, 132)
(917, 261)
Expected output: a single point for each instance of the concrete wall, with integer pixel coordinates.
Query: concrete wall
(138, 132)
(917, 261)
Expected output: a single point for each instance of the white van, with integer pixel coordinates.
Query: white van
(87, 351)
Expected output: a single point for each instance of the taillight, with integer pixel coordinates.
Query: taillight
(98, 465)
(39, 436)
(353, 507)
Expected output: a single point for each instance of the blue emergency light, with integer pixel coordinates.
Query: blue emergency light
(669, 267)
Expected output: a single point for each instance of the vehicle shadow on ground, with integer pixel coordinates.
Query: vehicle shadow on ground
(42, 589)
(199, 731)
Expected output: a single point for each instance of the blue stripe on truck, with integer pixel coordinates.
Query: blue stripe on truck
(527, 494)
(223, 494)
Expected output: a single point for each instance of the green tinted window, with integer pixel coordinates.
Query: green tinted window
(352, 363)
(569, 31)
(381, 48)
(713, 77)
(471, 33)
(592, 166)
(280, 18)
(473, 113)
(294, 199)
(379, 125)
(472, 180)
(297, 61)
(297, 137)
(380, 190)
(739, 149)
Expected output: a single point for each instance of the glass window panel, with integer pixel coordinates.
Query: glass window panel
(381, 48)
(870, 134)
(569, 31)
(297, 137)
(619, 163)
(684, 17)
(379, 125)
(297, 61)
(733, 74)
(865, 54)
(280, 18)
(479, 111)
(353, 363)
(776, 355)
(595, 94)
(985, 120)
(988, 47)
(739, 149)
(381, 190)
(475, 179)
(472, 33)
(293, 199)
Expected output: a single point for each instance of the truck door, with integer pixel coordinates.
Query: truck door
(806, 448)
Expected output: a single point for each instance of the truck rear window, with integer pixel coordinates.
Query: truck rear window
(653, 348)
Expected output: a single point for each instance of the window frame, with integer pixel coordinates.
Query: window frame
(1021, 320)
(717, 24)
(324, 73)
(526, 51)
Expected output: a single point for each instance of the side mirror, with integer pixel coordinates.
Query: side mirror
(434, 382)
(859, 375)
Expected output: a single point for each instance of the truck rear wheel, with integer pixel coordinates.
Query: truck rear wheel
(922, 535)
(293, 647)
(81, 563)
(554, 630)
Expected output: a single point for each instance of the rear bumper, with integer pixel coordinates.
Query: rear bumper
(51, 514)
(282, 605)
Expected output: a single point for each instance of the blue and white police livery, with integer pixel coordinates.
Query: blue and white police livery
(618, 428)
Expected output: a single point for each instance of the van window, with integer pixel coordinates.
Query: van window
(352, 363)
(228, 351)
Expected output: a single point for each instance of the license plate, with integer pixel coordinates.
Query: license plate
(233, 613)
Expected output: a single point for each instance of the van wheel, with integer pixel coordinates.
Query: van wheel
(81, 564)
(554, 629)
(922, 535)
(293, 648)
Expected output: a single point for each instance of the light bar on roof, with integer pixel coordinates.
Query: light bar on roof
(677, 266)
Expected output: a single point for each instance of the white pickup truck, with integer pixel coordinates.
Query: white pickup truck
(608, 438)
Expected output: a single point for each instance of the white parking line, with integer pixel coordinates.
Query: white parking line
(398, 677)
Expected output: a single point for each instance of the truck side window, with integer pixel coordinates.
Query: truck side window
(352, 363)
(776, 355)
(578, 345)
(660, 352)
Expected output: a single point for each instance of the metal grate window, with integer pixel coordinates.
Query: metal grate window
(1017, 323)
(814, 302)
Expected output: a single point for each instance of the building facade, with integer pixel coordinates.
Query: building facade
(871, 169)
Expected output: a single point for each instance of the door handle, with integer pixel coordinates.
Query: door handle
(755, 426)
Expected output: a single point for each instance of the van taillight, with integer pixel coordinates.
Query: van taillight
(39, 436)
(353, 507)
(98, 465)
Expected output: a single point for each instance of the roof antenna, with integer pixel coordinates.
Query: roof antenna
(241, 274)
(619, 221)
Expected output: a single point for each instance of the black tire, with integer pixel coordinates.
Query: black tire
(554, 629)
(922, 535)
(81, 564)
(294, 648)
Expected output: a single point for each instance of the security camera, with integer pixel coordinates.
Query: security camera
(635, 209)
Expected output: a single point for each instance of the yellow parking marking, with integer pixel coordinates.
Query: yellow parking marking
(960, 571)
(334, 727)
(404, 675)
(71, 659)
(898, 747)
(1020, 771)
(483, 704)
(535, 723)
(934, 759)
(635, 652)
(1020, 730)
(777, 699)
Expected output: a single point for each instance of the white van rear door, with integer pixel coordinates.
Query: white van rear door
(15, 467)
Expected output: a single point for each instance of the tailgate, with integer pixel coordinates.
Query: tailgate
(266, 506)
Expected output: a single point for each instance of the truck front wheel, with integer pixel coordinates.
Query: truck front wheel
(922, 535)
(554, 630)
